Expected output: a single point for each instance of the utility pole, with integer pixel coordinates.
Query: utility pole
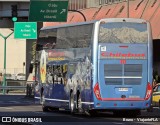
(79, 13)
(127, 8)
(4, 69)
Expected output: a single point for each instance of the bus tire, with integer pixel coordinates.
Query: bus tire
(42, 100)
(41, 96)
(79, 103)
(71, 103)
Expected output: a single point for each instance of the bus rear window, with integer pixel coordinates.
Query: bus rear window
(127, 74)
(123, 32)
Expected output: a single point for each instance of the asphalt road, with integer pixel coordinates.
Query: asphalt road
(17, 107)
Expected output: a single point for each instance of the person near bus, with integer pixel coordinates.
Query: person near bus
(1, 79)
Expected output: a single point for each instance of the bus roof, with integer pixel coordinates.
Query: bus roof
(71, 24)
(93, 21)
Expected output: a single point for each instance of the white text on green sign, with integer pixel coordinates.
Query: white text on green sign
(48, 10)
(25, 30)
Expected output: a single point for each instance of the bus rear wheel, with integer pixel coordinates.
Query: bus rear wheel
(44, 108)
(72, 106)
(79, 103)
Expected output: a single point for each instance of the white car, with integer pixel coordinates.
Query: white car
(21, 76)
(8, 76)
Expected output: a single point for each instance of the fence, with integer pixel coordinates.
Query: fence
(13, 70)
(82, 4)
(18, 87)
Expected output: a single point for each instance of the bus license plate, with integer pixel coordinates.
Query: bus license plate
(123, 89)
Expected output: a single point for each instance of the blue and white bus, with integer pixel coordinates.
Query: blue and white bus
(96, 66)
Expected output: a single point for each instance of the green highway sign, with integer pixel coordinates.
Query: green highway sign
(48, 10)
(25, 30)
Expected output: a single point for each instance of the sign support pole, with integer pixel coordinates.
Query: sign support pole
(127, 8)
(4, 69)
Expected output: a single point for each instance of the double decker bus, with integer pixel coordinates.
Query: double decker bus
(102, 65)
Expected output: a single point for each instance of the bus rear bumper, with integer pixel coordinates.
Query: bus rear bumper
(122, 105)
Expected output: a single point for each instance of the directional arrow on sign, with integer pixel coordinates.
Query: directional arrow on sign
(25, 30)
(48, 10)
(63, 11)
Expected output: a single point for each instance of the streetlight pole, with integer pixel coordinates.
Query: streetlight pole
(4, 74)
(127, 8)
(79, 13)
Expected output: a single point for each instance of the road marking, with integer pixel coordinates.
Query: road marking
(118, 123)
(39, 112)
(14, 102)
(76, 117)
(156, 107)
(8, 108)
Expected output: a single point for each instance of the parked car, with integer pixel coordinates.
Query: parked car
(156, 95)
(13, 76)
(21, 76)
(8, 76)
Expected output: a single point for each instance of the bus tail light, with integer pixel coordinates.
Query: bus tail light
(97, 91)
(148, 91)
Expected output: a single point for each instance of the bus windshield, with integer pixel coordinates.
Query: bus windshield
(123, 32)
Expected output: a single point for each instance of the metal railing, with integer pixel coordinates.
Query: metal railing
(13, 87)
(12, 70)
(16, 86)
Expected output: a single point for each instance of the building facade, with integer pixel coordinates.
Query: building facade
(82, 4)
(19, 51)
(15, 53)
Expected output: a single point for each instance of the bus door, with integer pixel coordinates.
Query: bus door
(122, 71)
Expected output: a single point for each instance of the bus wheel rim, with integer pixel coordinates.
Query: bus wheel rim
(72, 103)
(79, 106)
